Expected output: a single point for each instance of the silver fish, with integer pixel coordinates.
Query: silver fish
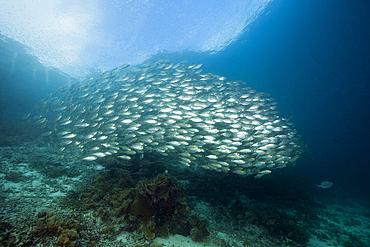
(99, 168)
(324, 185)
(166, 108)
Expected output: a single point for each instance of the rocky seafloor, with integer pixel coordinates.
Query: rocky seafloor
(49, 201)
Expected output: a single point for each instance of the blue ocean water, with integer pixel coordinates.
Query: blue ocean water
(312, 56)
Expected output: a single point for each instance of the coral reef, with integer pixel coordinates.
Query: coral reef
(164, 195)
(65, 230)
(153, 207)
(162, 231)
(279, 223)
(141, 208)
(148, 229)
(166, 204)
(57, 172)
(13, 176)
(196, 234)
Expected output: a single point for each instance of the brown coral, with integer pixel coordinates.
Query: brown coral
(148, 230)
(164, 195)
(162, 231)
(196, 234)
(65, 230)
(141, 208)
(13, 176)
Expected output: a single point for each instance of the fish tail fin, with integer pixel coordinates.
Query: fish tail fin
(318, 186)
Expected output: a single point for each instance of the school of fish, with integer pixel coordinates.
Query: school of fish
(167, 108)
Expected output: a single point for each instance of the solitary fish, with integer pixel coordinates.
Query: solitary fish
(99, 168)
(324, 185)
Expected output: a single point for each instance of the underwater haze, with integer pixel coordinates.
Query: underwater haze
(312, 57)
